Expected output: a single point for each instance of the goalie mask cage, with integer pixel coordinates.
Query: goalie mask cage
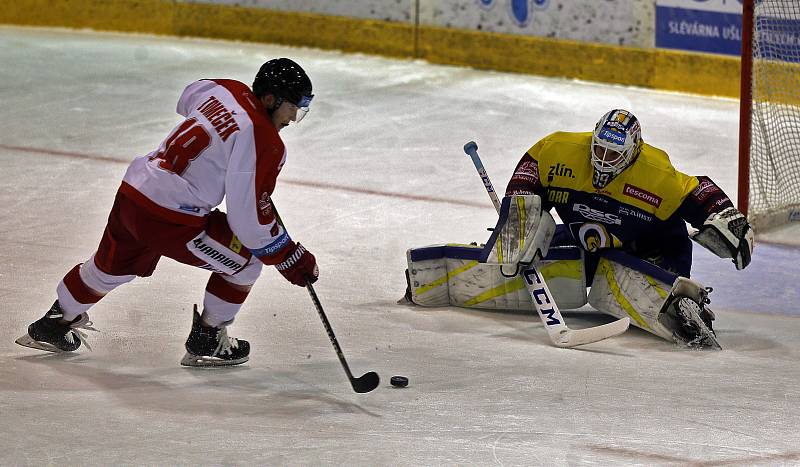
(769, 125)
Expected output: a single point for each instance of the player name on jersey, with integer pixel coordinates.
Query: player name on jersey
(219, 117)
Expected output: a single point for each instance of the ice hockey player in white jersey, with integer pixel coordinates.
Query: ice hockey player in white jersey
(228, 147)
(624, 210)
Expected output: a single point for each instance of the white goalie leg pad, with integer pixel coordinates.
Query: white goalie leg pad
(627, 286)
(522, 232)
(442, 275)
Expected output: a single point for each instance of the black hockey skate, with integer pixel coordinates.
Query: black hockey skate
(210, 346)
(50, 334)
(691, 323)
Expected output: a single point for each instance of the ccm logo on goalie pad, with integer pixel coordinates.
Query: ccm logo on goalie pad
(541, 296)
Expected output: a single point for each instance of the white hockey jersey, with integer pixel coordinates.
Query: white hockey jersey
(226, 147)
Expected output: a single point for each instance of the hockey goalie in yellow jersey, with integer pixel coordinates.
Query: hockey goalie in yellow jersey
(622, 245)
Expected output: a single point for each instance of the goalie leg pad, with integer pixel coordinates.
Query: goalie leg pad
(657, 301)
(624, 285)
(442, 275)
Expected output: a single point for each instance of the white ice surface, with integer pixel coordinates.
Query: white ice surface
(374, 169)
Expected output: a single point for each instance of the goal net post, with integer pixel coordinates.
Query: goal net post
(769, 128)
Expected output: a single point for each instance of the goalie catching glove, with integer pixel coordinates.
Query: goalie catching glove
(727, 234)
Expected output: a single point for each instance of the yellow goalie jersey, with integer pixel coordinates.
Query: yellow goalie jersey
(643, 210)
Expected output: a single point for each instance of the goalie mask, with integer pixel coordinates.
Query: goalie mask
(287, 81)
(616, 141)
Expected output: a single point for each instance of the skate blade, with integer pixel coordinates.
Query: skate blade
(707, 340)
(202, 361)
(28, 341)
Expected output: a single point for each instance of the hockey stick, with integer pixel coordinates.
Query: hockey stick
(560, 334)
(364, 383)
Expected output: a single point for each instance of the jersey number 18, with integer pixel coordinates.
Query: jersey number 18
(184, 145)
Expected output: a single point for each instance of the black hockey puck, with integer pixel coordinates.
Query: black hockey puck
(399, 381)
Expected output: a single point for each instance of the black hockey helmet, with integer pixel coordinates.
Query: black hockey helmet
(284, 79)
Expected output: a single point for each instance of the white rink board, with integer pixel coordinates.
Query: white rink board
(616, 22)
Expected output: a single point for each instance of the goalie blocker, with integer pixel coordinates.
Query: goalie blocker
(472, 276)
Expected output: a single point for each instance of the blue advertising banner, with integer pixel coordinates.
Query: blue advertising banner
(778, 38)
(716, 26)
(700, 25)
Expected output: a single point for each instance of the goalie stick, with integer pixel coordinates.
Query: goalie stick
(364, 383)
(558, 331)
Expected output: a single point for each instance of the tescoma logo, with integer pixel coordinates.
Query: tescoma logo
(518, 10)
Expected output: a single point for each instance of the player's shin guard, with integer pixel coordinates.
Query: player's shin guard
(83, 286)
(223, 299)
